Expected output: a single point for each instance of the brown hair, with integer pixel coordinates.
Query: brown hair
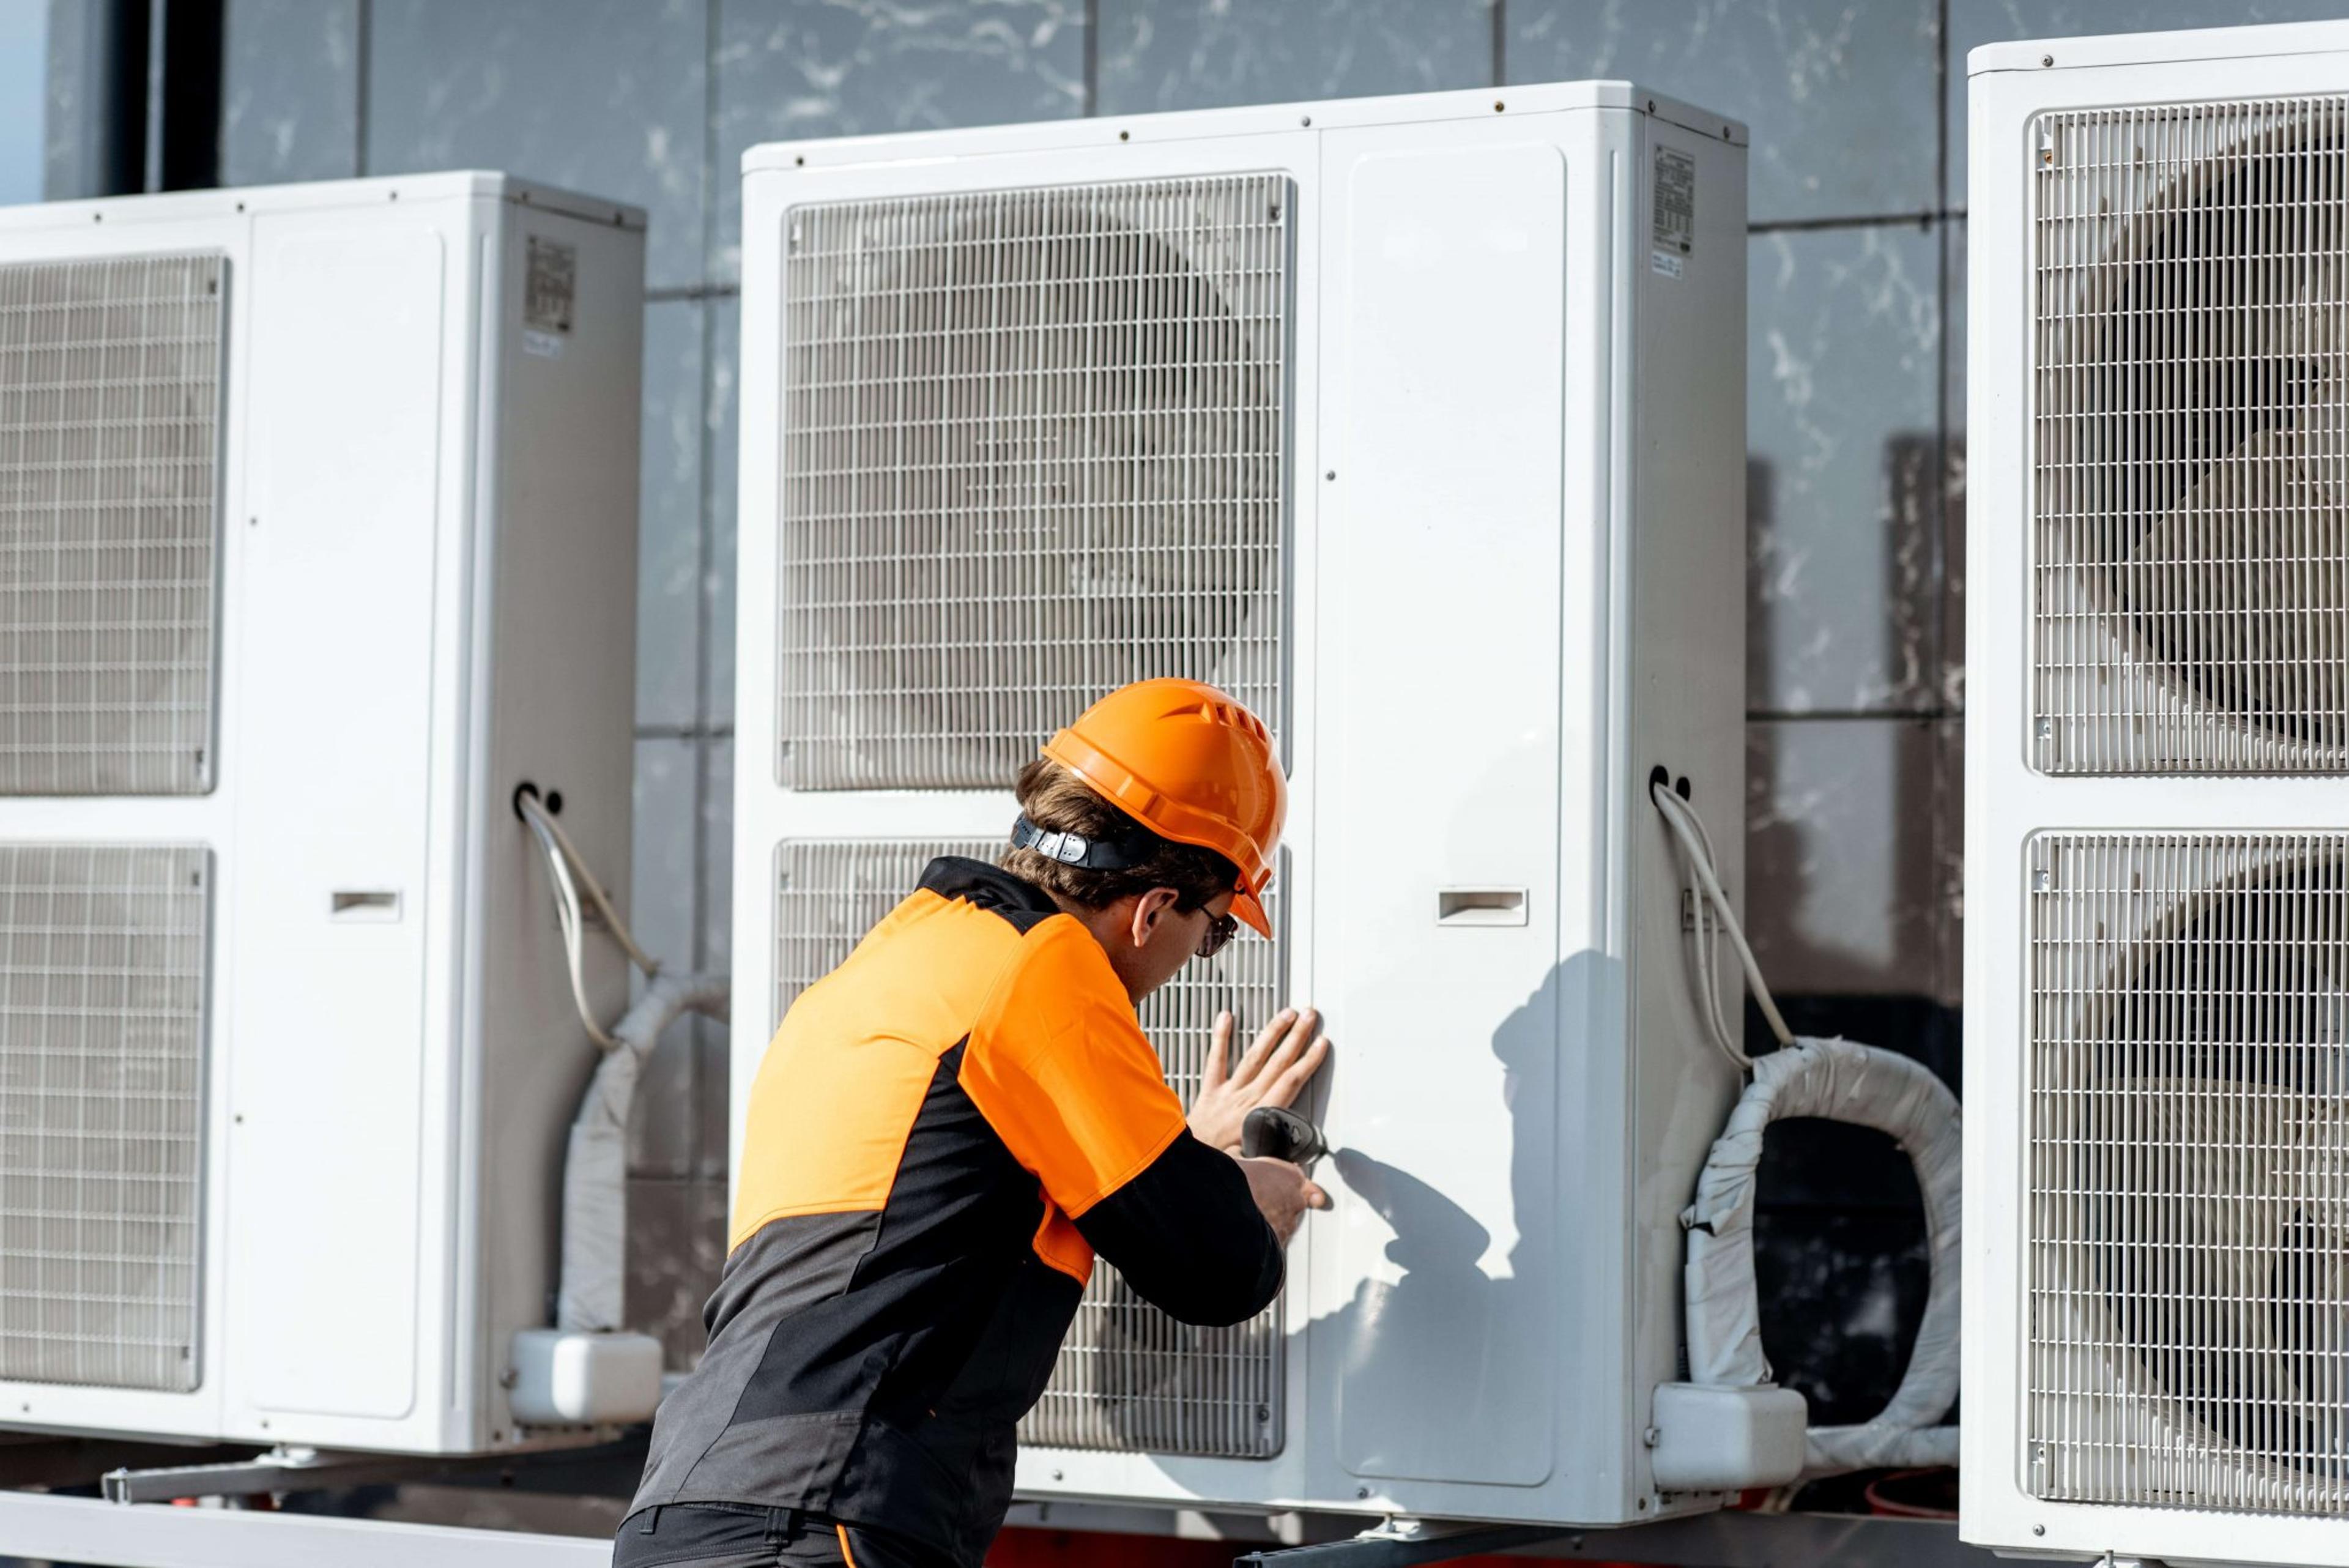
(1058, 801)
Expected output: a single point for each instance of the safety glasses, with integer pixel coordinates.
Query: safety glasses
(1221, 929)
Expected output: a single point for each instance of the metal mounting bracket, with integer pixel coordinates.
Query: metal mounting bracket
(281, 1470)
(1403, 1543)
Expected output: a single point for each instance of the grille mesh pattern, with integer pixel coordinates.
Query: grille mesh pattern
(1033, 449)
(102, 961)
(2191, 355)
(2188, 1081)
(1130, 1379)
(110, 409)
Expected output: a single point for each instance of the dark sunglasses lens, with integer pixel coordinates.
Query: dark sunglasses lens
(1221, 929)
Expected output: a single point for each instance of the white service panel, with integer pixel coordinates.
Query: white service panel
(332, 758)
(1438, 838)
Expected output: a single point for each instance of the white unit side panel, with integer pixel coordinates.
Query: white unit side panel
(2007, 800)
(328, 1080)
(1441, 598)
(1681, 579)
(551, 676)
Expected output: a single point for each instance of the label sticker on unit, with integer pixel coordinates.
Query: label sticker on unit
(542, 345)
(1675, 203)
(1664, 262)
(554, 285)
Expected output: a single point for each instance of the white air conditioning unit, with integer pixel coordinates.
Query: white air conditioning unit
(2156, 1179)
(1417, 425)
(317, 539)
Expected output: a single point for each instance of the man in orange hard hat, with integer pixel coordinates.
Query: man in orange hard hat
(949, 1127)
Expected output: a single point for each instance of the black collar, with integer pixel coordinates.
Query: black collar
(1021, 902)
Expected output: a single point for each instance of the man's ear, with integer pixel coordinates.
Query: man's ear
(1149, 909)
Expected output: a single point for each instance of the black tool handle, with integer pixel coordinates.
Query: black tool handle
(1272, 1132)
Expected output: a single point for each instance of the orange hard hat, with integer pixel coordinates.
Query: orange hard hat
(1192, 765)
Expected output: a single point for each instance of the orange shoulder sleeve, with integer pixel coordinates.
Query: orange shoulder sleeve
(1060, 1068)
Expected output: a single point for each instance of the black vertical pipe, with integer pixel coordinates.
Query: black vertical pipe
(185, 108)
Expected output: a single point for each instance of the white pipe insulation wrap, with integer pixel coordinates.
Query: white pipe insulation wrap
(1838, 1081)
(593, 1294)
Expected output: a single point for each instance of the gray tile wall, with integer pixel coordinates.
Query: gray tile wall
(1855, 363)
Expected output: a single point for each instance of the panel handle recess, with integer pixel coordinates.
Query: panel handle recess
(1480, 907)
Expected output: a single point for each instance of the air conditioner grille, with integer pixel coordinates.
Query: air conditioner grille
(1034, 448)
(109, 443)
(2188, 1076)
(2190, 471)
(1130, 1379)
(102, 979)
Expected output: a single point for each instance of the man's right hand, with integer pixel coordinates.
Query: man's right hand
(1282, 1194)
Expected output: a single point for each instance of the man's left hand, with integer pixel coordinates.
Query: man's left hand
(1274, 1071)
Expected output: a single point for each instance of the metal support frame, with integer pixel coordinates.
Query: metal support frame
(277, 1471)
(1728, 1538)
(1404, 1545)
(144, 1535)
(89, 1531)
(296, 1470)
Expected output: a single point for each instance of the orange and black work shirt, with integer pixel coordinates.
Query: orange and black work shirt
(944, 1132)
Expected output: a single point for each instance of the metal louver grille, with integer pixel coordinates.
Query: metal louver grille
(2191, 351)
(1130, 1379)
(102, 978)
(109, 442)
(1033, 449)
(2189, 1170)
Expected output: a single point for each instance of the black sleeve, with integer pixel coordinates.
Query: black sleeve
(1186, 1234)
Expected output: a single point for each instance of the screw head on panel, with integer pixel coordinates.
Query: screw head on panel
(1305, 120)
(2038, 1529)
(2040, 881)
(2046, 59)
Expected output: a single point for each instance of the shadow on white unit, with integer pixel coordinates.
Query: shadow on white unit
(316, 534)
(1417, 425)
(2156, 1184)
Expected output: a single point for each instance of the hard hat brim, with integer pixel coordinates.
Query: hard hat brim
(1250, 912)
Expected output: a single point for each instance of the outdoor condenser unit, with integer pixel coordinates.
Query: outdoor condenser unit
(317, 539)
(2156, 1183)
(1417, 424)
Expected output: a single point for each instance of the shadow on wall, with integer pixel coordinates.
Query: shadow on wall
(1850, 856)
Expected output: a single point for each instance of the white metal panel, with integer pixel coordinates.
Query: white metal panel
(1034, 448)
(110, 447)
(2187, 1073)
(1441, 584)
(2190, 545)
(327, 1090)
(103, 974)
(767, 814)
(551, 655)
